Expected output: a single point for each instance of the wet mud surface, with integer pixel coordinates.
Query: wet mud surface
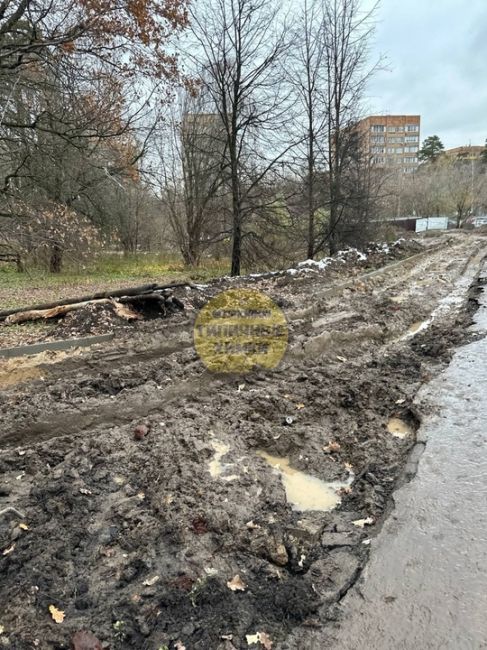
(138, 537)
(424, 586)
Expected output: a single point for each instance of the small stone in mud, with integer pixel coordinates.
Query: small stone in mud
(333, 540)
(140, 431)
(84, 640)
(288, 421)
(279, 555)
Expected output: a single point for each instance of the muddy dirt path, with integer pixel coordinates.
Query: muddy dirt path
(137, 540)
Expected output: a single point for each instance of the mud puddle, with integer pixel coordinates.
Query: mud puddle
(305, 492)
(217, 468)
(399, 428)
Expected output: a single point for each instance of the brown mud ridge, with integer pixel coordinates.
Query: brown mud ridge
(139, 539)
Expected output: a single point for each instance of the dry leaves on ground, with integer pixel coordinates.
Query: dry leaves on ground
(236, 584)
(56, 614)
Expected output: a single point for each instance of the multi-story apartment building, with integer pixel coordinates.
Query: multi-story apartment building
(391, 141)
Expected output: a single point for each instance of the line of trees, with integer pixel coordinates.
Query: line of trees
(235, 139)
(287, 172)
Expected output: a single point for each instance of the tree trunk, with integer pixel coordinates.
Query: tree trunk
(236, 247)
(236, 209)
(311, 206)
(56, 260)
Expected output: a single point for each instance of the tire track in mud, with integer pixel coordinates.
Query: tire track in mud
(317, 341)
(107, 514)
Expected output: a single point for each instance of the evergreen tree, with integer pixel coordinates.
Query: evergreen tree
(431, 150)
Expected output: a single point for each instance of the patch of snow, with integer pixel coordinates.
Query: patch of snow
(320, 265)
(351, 252)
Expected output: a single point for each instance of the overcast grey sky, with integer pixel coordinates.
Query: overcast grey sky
(437, 59)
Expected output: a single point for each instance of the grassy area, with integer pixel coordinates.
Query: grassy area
(106, 271)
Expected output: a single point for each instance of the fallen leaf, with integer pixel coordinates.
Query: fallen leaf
(236, 584)
(179, 645)
(84, 640)
(299, 407)
(259, 637)
(85, 491)
(400, 401)
(251, 525)
(140, 431)
(342, 359)
(348, 467)
(265, 640)
(332, 447)
(8, 550)
(56, 614)
(24, 526)
(252, 639)
(241, 387)
(361, 523)
(151, 581)
(2, 629)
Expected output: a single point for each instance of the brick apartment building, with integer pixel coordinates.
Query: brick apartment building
(391, 141)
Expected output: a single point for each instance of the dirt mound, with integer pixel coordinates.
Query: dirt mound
(91, 319)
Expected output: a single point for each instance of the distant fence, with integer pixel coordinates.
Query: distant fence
(431, 223)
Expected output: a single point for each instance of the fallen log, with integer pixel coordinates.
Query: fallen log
(113, 293)
(54, 312)
(152, 305)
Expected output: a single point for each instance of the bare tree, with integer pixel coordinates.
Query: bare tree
(347, 33)
(306, 75)
(239, 45)
(191, 156)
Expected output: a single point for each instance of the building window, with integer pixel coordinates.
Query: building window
(412, 138)
(378, 160)
(412, 127)
(399, 150)
(391, 129)
(378, 139)
(396, 140)
(411, 149)
(410, 161)
(378, 128)
(391, 150)
(378, 150)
